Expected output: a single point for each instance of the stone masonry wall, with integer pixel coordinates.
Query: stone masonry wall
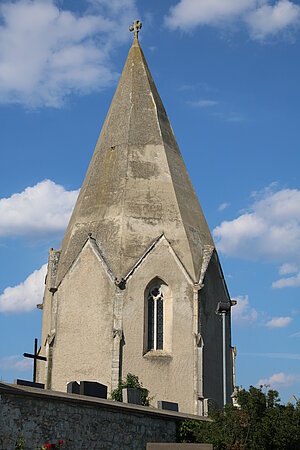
(81, 422)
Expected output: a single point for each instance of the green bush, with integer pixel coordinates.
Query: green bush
(20, 444)
(132, 381)
(260, 423)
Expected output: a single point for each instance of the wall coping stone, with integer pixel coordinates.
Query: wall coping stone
(26, 391)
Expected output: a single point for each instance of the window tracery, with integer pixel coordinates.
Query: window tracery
(155, 318)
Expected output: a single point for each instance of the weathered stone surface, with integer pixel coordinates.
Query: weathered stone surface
(210, 324)
(93, 389)
(131, 395)
(81, 422)
(84, 322)
(137, 185)
(137, 220)
(179, 446)
(29, 383)
(170, 406)
(167, 374)
(73, 387)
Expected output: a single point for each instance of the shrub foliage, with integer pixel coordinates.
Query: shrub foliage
(259, 423)
(132, 381)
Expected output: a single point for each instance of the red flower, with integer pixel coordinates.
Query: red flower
(60, 442)
(47, 445)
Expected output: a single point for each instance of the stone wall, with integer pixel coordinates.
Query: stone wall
(81, 422)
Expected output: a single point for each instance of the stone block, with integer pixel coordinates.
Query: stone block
(170, 406)
(73, 387)
(29, 383)
(171, 446)
(132, 395)
(93, 389)
(209, 406)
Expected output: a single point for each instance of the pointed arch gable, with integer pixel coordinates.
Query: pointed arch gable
(160, 241)
(91, 242)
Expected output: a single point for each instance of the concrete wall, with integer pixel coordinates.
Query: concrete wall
(81, 422)
(168, 373)
(82, 348)
(210, 327)
(99, 329)
(48, 323)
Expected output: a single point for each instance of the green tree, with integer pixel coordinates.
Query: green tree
(132, 381)
(260, 423)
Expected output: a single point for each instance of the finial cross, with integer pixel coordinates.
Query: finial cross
(137, 25)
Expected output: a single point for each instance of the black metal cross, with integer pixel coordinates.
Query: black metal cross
(35, 357)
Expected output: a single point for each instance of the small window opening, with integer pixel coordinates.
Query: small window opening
(155, 319)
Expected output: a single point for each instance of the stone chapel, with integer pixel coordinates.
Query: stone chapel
(137, 281)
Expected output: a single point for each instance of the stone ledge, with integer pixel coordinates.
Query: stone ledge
(158, 354)
(25, 391)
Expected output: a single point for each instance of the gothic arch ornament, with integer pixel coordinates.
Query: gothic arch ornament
(158, 317)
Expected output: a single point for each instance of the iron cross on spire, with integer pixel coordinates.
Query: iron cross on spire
(35, 357)
(137, 25)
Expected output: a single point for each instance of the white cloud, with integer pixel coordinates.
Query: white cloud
(25, 296)
(229, 116)
(287, 268)
(38, 210)
(295, 334)
(279, 380)
(223, 206)
(15, 362)
(242, 313)
(287, 282)
(47, 53)
(269, 20)
(279, 322)
(204, 103)
(190, 13)
(270, 230)
(121, 14)
(262, 17)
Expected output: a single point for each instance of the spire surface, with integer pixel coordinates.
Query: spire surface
(137, 186)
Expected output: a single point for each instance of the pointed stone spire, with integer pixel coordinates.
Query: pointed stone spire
(137, 186)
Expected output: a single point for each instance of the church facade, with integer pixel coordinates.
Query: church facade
(136, 284)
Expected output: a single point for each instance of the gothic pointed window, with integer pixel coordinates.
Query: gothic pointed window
(155, 304)
(158, 319)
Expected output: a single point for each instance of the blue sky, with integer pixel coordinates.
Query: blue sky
(228, 73)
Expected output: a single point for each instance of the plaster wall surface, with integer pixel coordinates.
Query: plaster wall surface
(48, 325)
(210, 327)
(83, 346)
(83, 343)
(168, 374)
(46, 329)
(47, 318)
(137, 185)
(150, 204)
